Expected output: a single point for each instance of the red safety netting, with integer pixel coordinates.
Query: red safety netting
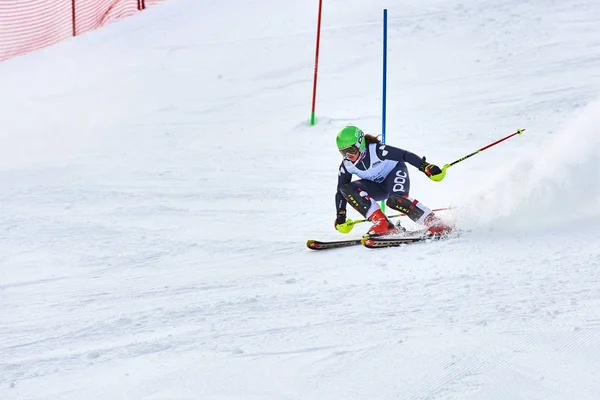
(27, 25)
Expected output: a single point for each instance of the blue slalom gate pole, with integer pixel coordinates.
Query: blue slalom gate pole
(384, 95)
(383, 114)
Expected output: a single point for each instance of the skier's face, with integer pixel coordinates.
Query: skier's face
(352, 156)
(350, 153)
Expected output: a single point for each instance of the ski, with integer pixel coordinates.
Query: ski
(378, 242)
(381, 242)
(336, 244)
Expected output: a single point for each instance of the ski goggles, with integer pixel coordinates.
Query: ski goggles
(349, 150)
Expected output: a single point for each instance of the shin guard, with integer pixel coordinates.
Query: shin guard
(359, 199)
(414, 209)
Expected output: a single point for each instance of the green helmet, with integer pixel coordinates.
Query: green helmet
(351, 140)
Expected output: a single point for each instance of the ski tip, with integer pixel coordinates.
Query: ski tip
(310, 244)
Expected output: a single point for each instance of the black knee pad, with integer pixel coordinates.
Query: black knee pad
(352, 195)
(406, 206)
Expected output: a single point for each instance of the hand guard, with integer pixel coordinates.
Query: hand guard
(434, 172)
(340, 218)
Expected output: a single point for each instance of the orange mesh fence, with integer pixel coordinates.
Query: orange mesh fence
(27, 25)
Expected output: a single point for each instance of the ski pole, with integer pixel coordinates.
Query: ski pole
(518, 132)
(445, 167)
(347, 226)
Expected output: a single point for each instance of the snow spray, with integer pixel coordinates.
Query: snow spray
(557, 184)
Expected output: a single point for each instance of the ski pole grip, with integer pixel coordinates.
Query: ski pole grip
(346, 227)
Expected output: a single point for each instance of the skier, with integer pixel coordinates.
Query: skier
(384, 175)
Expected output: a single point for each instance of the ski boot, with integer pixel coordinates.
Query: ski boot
(436, 227)
(381, 225)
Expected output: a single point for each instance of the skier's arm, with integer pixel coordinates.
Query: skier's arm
(395, 153)
(385, 152)
(412, 159)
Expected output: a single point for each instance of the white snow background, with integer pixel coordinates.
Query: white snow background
(159, 180)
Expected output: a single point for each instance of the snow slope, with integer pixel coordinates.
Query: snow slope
(159, 180)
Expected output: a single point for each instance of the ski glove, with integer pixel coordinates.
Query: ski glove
(434, 172)
(340, 218)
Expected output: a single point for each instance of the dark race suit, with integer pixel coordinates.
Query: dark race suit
(383, 171)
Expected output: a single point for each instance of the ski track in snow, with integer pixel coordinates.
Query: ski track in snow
(137, 263)
(388, 304)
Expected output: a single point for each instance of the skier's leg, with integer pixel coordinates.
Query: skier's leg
(363, 196)
(414, 209)
(419, 213)
(398, 186)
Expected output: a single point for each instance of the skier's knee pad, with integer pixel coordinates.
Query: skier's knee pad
(356, 197)
(407, 206)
